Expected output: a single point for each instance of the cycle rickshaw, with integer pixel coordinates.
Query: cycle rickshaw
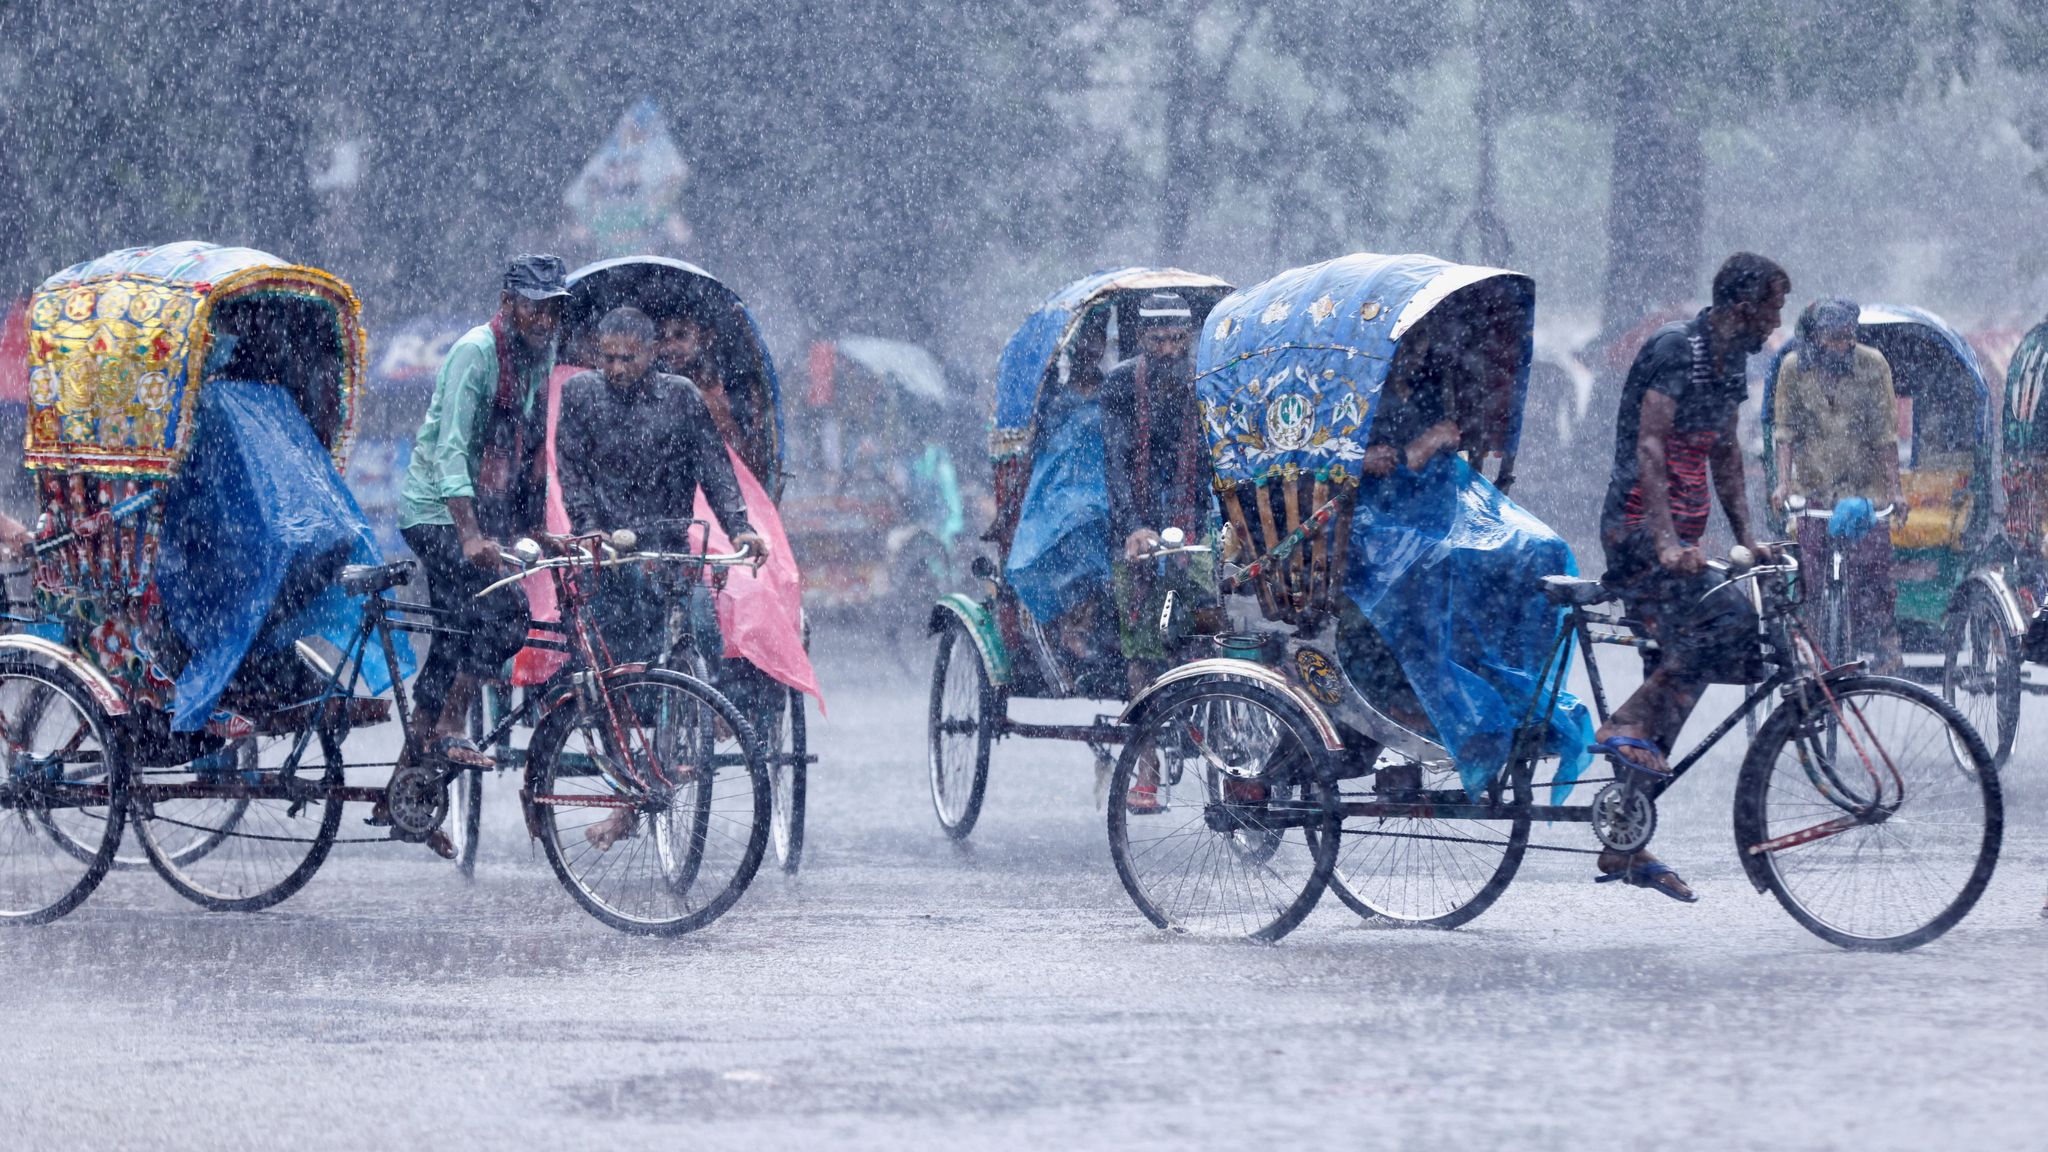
(1959, 615)
(1388, 717)
(731, 345)
(221, 627)
(991, 648)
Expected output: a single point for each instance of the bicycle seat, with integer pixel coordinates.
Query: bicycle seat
(369, 579)
(1575, 591)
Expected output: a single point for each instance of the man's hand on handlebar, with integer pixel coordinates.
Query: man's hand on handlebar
(482, 551)
(1142, 542)
(1681, 557)
(754, 544)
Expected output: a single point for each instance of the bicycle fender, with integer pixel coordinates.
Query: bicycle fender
(1243, 672)
(1993, 585)
(96, 682)
(980, 624)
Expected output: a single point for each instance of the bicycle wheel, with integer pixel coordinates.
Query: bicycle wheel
(231, 832)
(1876, 822)
(788, 770)
(1980, 671)
(466, 792)
(962, 727)
(1405, 865)
(1247, 831)
(64, 833)
(655, 815)
(64, 784)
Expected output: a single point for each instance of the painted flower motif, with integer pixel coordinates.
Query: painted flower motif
(144, 305)
(1346, 415)
(1322, 309)
(79, 305)
(78, 429)
(42, 385)
(1343, 448)
(117, 430)
(149, 430)
(153, 390)
(1277, 311)
(45, 312)
(113, 302)
(1223, 328)
(44, 426)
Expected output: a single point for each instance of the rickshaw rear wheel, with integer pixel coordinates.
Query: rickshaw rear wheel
(788, 769)
(1875, 820)
(962, 729)
(1423, 872)
(1980, 671)
(1245, 834)
(63, 769)
(235, 836)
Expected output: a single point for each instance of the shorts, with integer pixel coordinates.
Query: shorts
(1706, 630)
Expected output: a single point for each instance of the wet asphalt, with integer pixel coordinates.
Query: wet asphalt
(905, 991)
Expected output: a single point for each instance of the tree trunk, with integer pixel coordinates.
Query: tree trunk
(1656, 208)
(1182, 123)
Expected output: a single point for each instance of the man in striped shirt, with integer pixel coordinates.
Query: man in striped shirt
(1675, 449)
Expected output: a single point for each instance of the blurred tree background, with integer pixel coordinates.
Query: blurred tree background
(926, 170)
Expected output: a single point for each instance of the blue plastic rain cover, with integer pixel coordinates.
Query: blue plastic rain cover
(1446, 568)
(1060, 555)
(255, 529)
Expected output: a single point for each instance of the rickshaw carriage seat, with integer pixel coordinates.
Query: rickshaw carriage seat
(370, 579)
(1941, 504)
(1575, 591)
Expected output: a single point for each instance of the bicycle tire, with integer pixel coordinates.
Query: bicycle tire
(1249, 877)
(958, 769)
(1976, 629)
(693, 709)
(21, 832)
(790, 771)
(1958, 761)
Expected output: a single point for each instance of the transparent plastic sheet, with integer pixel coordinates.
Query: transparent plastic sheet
(256, 527)
(1446, 568)
(1060, 555)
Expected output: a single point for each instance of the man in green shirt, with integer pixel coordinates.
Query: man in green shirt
(476, 481)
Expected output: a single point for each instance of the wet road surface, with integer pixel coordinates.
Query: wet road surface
(904, 991)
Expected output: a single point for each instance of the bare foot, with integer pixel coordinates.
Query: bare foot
(612, 829)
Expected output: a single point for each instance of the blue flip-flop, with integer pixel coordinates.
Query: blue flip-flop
(1646, 875)
(1612, 746)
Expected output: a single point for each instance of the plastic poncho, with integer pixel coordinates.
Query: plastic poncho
(1060, 554)
(1446, 568)
(255, 529)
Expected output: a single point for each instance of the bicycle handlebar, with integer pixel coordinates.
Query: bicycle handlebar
(1797, 507)
(586, 557)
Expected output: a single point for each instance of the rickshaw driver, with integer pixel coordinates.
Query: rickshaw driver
(1838, 438)
(1156, 464)
(633, 447)
(473, 480)
(1677, 424)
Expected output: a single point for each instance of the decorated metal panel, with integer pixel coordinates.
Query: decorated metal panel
(1035, 345)
(118, 345)
(1289, 371)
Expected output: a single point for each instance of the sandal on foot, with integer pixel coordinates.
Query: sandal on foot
(1143, 800)
(1652, 874)
(439, 843)
(459, 750)
(1612, 748)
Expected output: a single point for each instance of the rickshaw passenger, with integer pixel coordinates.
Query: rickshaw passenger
(1837, 439)
(1676, 429)
(473, 483)
(1059, 561)
(633, 446)
(1156, 465)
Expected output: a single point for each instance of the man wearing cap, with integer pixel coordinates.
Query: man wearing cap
(1157, 467)
(1838, 439)
(473, 484)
